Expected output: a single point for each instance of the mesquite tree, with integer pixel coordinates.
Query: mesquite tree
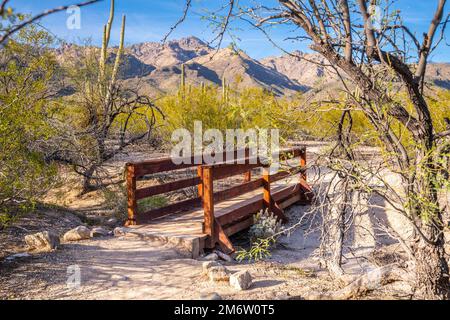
(105, 115)
(382, 65)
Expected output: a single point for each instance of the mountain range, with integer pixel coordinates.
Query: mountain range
(157, 68)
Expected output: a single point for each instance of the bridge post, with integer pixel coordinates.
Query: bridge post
(303, 166)
(131, 191)
(267, 198)
(208, 204)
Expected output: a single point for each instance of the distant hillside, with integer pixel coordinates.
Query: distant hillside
(157, 67)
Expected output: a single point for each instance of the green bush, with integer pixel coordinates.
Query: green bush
(27, 69)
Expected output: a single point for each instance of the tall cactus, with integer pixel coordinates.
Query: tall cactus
(182, 90)
(103, 83)
(203, 86)
(225, 90)
(119, 52)
(105, 42)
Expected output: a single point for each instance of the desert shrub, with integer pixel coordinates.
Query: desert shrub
(266, 225)
(27, 70)
(263, 236)
(249, 108)
(152, 203)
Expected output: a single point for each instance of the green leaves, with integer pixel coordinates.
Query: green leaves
(26, 71)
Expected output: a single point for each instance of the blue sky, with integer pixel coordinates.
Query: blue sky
(150, 20)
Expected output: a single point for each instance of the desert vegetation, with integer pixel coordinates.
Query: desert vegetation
(73, 110)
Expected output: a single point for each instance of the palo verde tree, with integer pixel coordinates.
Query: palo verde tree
(27, 72)
(101, 117)
(378, 59)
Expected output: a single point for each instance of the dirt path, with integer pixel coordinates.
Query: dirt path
(124, 268)
(131, 268)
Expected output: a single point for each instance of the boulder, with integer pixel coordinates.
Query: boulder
(119, 231)
(241, 280)
(99, 232)
(112, 222)
(218, 274)
(79, 233)
(42, 241)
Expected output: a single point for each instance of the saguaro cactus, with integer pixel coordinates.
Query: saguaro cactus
(105, 42)
(103, 83)
(182, 90)
(225, 90)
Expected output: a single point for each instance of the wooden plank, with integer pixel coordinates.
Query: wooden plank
(229, 170)
(237, 190)
(283, 174)
(266, 193)
(240, 211)
(290, 201)
(166, 187)
(208, 202)
(283, 193)
(303, 165)
(248, 176)
(168, 164)
(131, 193)
(200, 185)
(181, 206)
(223, 240)
(239, 226)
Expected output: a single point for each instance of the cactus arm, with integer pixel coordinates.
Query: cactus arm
(105, 42)
(119, 52)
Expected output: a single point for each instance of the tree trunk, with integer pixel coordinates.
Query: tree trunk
(432, 273)
(87, 178)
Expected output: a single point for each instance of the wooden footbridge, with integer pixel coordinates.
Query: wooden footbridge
(215, 213)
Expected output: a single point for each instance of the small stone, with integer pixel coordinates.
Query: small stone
(119, 277)
(99, 232)
(218, 274)
(208, 265)
(112, 222)
(79, 233)
(42, 241)
(17, 256)
(223, 256)
(119, 231)
(241, 280)
(210, 296)
(211, 257)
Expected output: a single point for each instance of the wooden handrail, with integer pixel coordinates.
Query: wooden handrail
(136, 170)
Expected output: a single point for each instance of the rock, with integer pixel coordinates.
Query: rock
(208, 265)
(210, 296)
(223, 256)
(112, 222)
(79, 233)
(42, 241)
(211, 257)
(241, 280)
(119, 277)
(119, 231)
(17, 256)
(218, 274)
(99, 232)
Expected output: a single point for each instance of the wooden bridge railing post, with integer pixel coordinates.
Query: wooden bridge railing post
(200, 185)
(208, 203)
(303, 166)
(131, 191)
(267, 198)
